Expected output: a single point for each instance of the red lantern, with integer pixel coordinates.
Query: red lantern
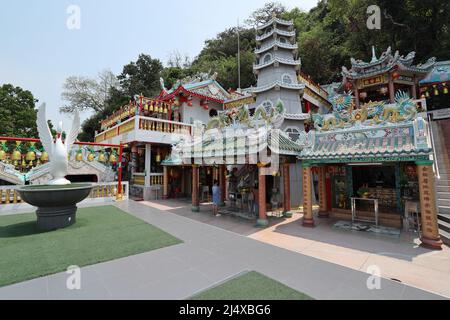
(395, 75)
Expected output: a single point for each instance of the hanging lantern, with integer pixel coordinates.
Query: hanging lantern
(44, 156)
(158, 156)
(445, 88)
(395, 75)
(31, 154)
(436, 91)
(79, 156)
(91, 157)
(146, 107)
(23, 164)
(112, 156)
(101, 157)
(150, 108)
(17, 155)
(161, 109)
(384, 90)
(427, 94)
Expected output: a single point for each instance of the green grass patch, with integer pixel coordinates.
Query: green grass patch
(100, 234)
(251, 286)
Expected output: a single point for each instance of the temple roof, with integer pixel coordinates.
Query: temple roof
(367, 147)
(440, 73)
(385, 63)
(204, 87)
(275, 20)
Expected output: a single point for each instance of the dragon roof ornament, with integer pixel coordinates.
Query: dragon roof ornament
(372, 114)
(386, 62)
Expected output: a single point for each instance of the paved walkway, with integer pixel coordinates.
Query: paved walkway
(209, 255)
(398, 258)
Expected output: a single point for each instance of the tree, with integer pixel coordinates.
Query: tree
(84, 93)
(141, 76)
(17, 112)
(264, 14)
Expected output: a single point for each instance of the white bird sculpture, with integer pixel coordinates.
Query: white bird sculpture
(56, 148)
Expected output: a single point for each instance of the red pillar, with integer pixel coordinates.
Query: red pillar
(195, 186)
(262, 221)
(287, 191)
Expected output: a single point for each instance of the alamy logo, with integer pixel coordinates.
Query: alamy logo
(73, 282)
(73, 21)
(374, 19)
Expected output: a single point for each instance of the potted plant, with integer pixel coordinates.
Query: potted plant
(363, 192)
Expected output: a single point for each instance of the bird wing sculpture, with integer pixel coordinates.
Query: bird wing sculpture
(44, 131)
(72, 137)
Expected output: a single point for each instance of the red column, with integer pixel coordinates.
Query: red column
(308, 219)
(287, 191)
(222, 182)
(195, 195)
(323, 207)
(262, 221)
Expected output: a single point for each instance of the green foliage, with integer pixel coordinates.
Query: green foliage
(17, 112)
(141, 76)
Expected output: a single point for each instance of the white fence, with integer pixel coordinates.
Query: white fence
(101, 193)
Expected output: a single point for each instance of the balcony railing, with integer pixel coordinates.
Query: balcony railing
(277, 31)
(146, 124)
(278, 43)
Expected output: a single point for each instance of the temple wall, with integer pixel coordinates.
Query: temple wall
(269, 75)
(197, 112)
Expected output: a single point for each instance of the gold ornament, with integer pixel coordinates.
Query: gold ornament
(91, 157)
(79, 156)
(112, 157)
(101, 157)
(2, 155)
(44, 156)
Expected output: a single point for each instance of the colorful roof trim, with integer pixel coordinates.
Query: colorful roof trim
(386, 63)
(439, 74)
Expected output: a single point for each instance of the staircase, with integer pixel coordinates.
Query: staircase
(441, 136)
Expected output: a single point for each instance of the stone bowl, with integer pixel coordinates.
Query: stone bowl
(57, 205)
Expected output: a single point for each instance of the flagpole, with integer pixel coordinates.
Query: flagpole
(239, 55)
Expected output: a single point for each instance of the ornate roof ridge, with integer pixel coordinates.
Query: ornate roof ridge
(278, 43)
(278, 32)
(275, 20)
(279, 60)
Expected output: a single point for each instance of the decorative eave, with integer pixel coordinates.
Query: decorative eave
(276, 43)
(276, 84)
(181, 89)
(275, 31)
(439, 74)
(386, 63)
(276, 59)
(272, 21)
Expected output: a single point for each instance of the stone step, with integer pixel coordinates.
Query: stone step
(444, 217)
(441, 189)
(443, 183)
(443, 176)
(445, 237)
(443, 210)
(443, 202)
(443, 195)
(443, 225)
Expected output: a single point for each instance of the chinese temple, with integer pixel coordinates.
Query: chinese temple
(361, 150)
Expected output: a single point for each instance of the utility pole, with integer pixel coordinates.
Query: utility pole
(239, 55)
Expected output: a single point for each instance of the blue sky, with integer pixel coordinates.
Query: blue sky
(39, 52)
